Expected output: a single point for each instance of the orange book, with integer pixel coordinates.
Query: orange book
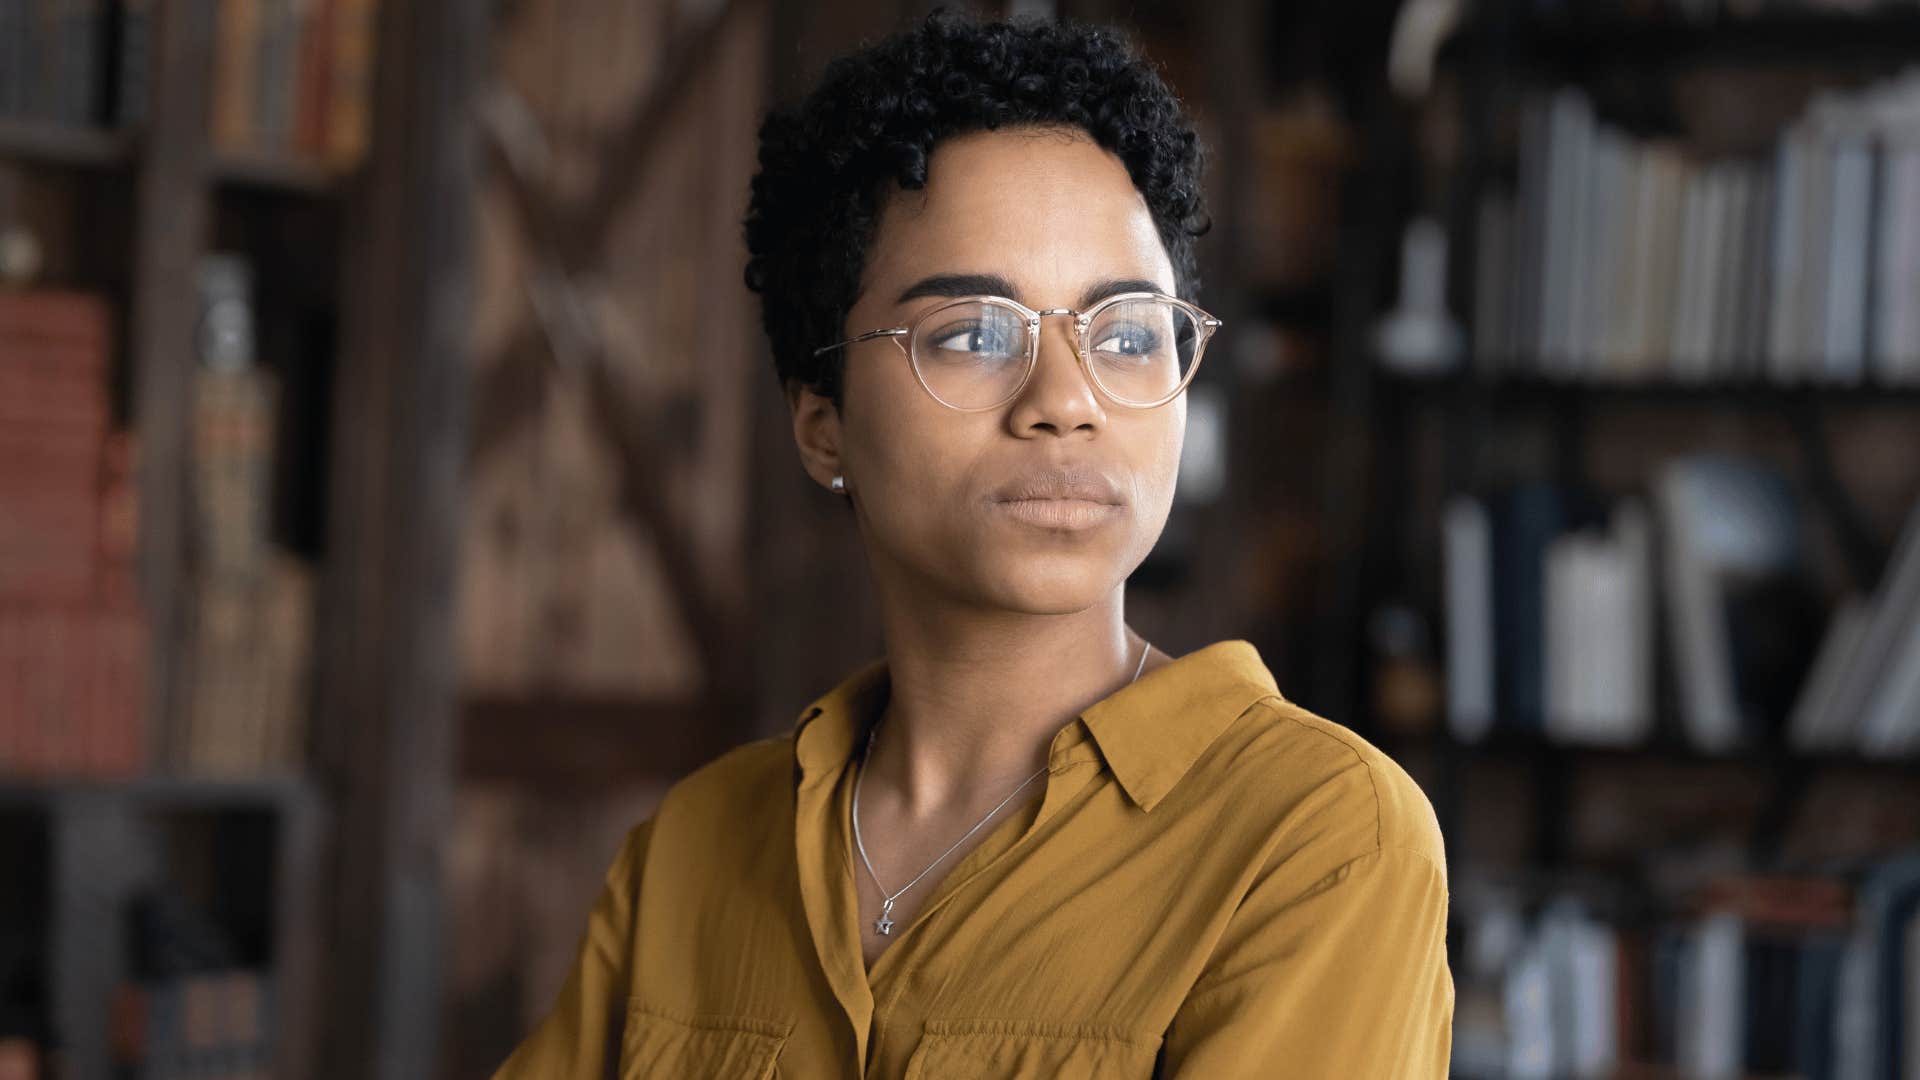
(350, 89)
(235, 63)
(313, 88)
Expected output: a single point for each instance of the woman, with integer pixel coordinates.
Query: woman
(1024, 842)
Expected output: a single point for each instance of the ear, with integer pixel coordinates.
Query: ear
(816, 432)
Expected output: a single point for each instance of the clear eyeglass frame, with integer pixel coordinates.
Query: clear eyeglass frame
(1082, 322)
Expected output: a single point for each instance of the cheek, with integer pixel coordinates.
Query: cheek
(911, 457)
(1164, 448)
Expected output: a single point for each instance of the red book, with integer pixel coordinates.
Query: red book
(40, 436)
(27, 402)
(118, 735)
(13, 705)
(314, 80)
(130, 657)
(42, 691)
(64, 724)
(127, 1028)
(46, 549)
(92, 699)
(58, 364)
(53, 415)
(116, 581)
(78, 713)
(43, 315)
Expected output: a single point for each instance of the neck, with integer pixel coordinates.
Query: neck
(974, 703)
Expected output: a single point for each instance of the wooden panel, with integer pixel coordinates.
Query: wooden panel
(170, 236)
(386, 709)
(570, 745)
(611, 455)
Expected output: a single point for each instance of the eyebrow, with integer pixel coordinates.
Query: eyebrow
(951, 285)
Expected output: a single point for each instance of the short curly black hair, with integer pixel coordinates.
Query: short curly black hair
(875, 117)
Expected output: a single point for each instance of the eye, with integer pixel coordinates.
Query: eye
(1127, 339)
(977, 337)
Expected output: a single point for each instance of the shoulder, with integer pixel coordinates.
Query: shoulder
(746, 779)
(708, 812)
(1328, 795)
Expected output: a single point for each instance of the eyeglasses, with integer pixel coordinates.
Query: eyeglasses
(977, 352)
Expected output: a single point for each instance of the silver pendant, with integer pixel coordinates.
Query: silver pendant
(883, 924)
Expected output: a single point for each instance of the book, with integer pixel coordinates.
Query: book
(1600, 633)
(1844, 340)
(134, 67)
(1881, 654)
(1526, 519)
(53, 425)
(1890, 726)
(1632, 257)
(1896, 326)
(1737, 601)
(1816, 725)
(1468, 540)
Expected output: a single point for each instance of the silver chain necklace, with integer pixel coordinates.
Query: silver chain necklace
(884, 924)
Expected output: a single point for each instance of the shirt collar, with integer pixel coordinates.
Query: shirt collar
(1150, 731)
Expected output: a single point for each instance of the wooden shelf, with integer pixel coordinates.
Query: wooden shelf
(1787, 38)
(278, 792)
(269, 173)
(104, 843)
(1514, 746)
(65, 145)
(1645, 1071)
(1741, 393)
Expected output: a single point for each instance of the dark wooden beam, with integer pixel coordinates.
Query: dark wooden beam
(170, 233)
(588, 744)
(387, 672)
(716, 614)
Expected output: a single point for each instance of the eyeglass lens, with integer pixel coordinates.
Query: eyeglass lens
(973, 354)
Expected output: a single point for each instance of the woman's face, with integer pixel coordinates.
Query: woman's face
(1049, 218)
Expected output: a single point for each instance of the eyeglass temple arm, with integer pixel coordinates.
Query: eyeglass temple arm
(895, 332)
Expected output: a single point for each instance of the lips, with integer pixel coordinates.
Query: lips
(1065, 515)
(1078, 483)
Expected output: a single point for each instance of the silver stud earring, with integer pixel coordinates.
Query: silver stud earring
(839, 485)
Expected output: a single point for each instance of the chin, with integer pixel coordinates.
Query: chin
(1057, 584)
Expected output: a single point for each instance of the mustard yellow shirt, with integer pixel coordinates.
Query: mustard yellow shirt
(1215, 883)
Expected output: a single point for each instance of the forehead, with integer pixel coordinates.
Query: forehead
(1047, 207)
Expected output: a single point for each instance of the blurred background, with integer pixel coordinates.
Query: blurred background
(395, 498)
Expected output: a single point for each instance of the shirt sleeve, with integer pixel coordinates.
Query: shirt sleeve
(1348, 978)
(579, 1039)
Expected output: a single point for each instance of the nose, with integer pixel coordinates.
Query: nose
(1058, 395)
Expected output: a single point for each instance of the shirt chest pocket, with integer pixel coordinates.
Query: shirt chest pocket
(660, 1041)
(1030, 1050)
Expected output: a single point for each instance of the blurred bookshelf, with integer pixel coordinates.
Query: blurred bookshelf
(1631, 328)
(183, 188)
(1539, 391)
(64, 144)
(1562, 37)
(1243, 546)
